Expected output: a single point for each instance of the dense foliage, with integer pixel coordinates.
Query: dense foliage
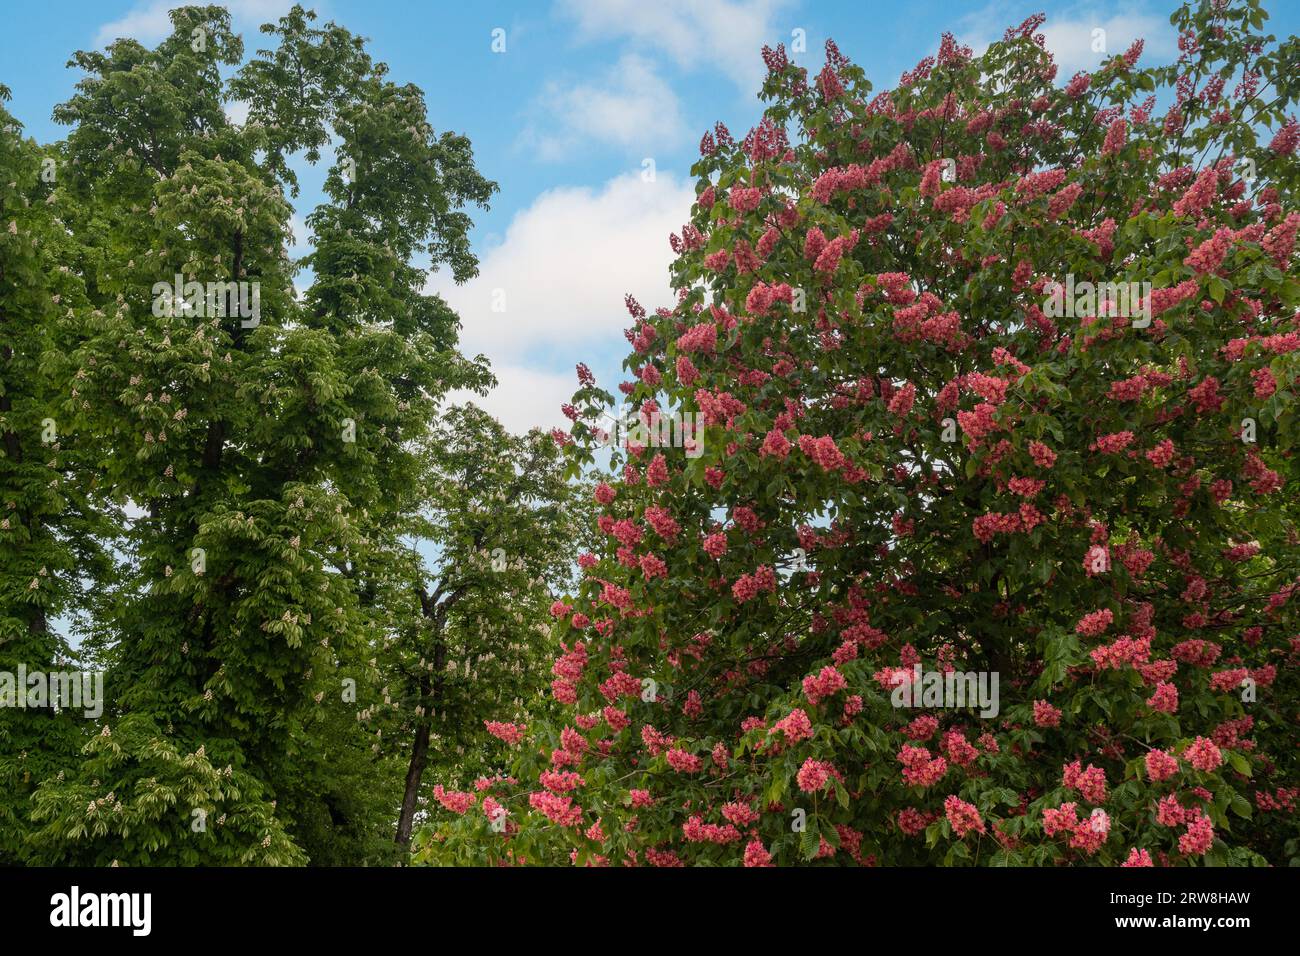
(915, 452)
(256, 504)
(992, 375)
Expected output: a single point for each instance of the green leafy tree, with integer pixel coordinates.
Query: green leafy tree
(500, 527)
(262, 438)
(51, 532)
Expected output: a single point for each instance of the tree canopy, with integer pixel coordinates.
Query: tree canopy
(252, 486)
(941, 441)
(948, 516)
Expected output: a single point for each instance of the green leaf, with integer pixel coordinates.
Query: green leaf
(810, 840)
(1241, 806)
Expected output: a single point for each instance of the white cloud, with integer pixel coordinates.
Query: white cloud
(566, 262)
(146, 24)
(1071, 40)
(630, 107)
(563, 267)
(524, 398)
(237, 112)
(302, 238)
(727, 34)
(1070, 37)
(149, 23)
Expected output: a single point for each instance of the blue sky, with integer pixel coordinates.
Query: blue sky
(585, 92)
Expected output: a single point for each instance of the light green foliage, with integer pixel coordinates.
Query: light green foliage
(264, 460)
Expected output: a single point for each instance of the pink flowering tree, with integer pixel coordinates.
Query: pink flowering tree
(997, 377)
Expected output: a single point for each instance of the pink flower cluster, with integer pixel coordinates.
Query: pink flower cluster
(828, 682)
(663, 523)
(560, 781)
(744, 199)
(795, 726)
(1162, 455)
(912, 821)
(1209, 255)
(715, 545)
(922, 728)
(919, 769)
(510, 733)
(1126, 650)
(1161, 765)
(557, 809)
(1203, 755)
(903, 400)
(1165, 698)
(741, 814)
(1171, 813)
(987, 526)
(979, 422)
(1095, 623)
(775, 444)
(1199, 195)
(1198, 837)
(749, 586)
(1128, 390)
(1060, 819)
(1043, 456)
(1091, 782)
(814, 775)
(958, 749)
(1265, 383)
(1026, 487)
(1088, 834)
(454, 800)
(1045, 715)
(962, 816)
(823, 451)
(683, 762)
(756, 854)
(1113, 443)
(695, 830)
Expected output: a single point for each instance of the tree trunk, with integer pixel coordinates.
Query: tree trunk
(419, 755)
(436, 613)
